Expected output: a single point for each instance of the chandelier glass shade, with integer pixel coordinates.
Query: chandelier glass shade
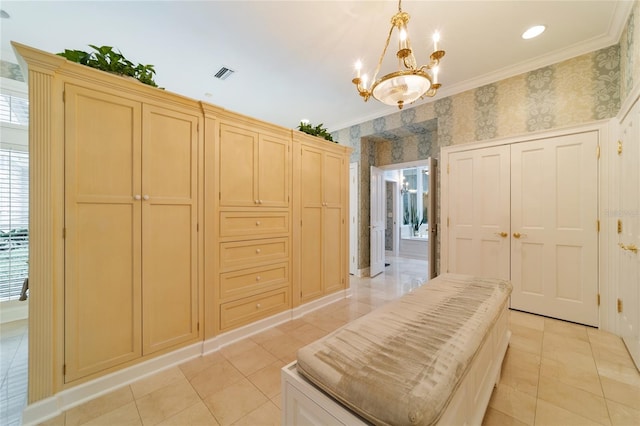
(411, 82)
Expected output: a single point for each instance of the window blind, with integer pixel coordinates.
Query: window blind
(14, 222)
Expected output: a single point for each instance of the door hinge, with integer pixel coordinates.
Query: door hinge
(219, 195)
(198, 326)
(619, 226)
(447, 168)
(598, 152)
(447, 220)
(64, 369)
(598, 224)
(619, 306)
(64, 233)
(300, 222)
(598, 299)
(197, 127)
(64, 96)
(288, 199)
(619, 147)
(197, 227)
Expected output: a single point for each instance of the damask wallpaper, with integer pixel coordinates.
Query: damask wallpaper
(583, 89)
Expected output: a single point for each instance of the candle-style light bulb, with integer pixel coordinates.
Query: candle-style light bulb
(403, 38)
(436, 39)
(365, 79)
(435, 75)
(358, 68)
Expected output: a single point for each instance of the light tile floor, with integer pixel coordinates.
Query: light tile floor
(555, 373)
(13, 371)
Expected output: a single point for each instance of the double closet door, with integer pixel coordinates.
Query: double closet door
(130, 230)
(528, 212)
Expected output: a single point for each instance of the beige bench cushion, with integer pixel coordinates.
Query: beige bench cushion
(400, 364)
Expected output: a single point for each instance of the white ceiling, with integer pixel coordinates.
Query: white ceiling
(294, 59)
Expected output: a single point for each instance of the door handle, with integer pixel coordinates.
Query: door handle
(517, 235)
(502, 234)
(631, 247)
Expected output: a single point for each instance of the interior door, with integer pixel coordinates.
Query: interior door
(627, 180)
(333, 244)
(431, 216)
(377, 221)
(554, 213)
(479, 202)
(353, 218)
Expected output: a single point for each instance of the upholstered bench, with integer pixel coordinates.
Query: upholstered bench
(430, 357)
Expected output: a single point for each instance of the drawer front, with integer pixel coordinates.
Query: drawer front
(242, 224)
(234, 255)
(250, 309)
(234, 284)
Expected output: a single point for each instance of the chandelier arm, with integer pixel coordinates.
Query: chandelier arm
(384, 51)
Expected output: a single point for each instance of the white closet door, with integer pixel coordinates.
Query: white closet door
(377, 221)
(627, 180)
(554, 196)
(479, 212)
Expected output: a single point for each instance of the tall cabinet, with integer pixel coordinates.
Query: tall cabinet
(321, 226)
(249, 260)
(130, 228)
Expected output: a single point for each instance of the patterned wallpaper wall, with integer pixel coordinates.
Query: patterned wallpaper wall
(582, 89)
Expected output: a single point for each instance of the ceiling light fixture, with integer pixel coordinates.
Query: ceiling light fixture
(410, 82)
(534, 31)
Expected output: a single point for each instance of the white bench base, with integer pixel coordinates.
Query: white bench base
(305, 404)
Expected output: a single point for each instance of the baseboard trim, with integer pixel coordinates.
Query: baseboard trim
(302, 310)
(53, 406)
(48, 408)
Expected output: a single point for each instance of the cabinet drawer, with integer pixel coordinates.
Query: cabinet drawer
(240, 254)
(233, 284)
(235, 224)
(250, 309)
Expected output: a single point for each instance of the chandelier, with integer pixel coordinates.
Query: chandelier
(410, 82)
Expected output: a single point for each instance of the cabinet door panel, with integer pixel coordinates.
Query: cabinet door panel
(273, 176)
(102, 219)
(333, 253)
(311, 269)
(333, 179)
(238, 166)
(169, 217)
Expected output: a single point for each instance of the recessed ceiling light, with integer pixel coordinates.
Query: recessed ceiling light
(534, 31)
(4, 14)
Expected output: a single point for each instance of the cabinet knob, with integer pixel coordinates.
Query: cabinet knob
(145, 197)
(503, 234)
(258, 251)
(259, 201)
(258, 278)
(137, 197)
(257, 223)
(258, 306)
(255, 201)
(518, 235)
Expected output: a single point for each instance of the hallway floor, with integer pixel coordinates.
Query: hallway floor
(555, 373)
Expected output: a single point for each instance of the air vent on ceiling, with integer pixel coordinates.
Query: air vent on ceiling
(224, 73)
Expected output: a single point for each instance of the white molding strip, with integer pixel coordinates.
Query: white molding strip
(48, 408)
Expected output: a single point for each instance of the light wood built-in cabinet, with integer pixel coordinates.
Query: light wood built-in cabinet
(131, 190)
(252, 215)
(321, 179)
(159, 223)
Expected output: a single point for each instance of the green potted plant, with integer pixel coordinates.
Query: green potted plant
(315, 131)
(105, 58)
